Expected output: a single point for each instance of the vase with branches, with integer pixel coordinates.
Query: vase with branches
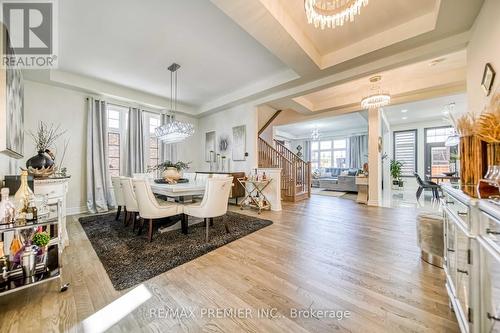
(44, 137)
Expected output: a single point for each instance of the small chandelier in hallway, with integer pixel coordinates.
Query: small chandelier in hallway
(174, 131)
(332, 13)
(378, 98)
(315, 134)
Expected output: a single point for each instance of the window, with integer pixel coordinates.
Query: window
(117, 125)
(329, 153)
(405, 151)
(438, 158)
(152, 151)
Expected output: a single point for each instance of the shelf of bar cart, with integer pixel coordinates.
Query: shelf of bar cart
(43, 272)
(255, 197)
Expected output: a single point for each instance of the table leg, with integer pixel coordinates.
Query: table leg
(184, 224)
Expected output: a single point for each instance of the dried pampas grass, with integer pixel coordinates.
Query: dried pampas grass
(465, 125)
(488, 124)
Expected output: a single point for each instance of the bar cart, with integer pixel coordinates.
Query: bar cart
(31, 266)
(255, 197)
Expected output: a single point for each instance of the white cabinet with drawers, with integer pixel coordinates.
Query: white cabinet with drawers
(489, 252)
(55, 189)
(460, 240)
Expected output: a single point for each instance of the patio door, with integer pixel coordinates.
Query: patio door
(437, 155)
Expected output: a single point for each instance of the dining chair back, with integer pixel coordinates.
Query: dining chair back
(129, 195)
(215, 199)
(149, 207)
(117, 189)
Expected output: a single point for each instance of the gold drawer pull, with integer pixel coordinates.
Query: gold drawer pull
(462, 213)
(450, 202)
(462, 271)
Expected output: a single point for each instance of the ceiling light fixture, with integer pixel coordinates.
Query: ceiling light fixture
(315, 134)
(174, 131)
(378, 98)
(404, 118)
(404, 111)
(332, 13)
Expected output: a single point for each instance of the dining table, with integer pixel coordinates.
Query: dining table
(441, 178)
(181, 193)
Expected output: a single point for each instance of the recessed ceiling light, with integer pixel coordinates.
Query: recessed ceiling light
(404, 111)
(404, 118)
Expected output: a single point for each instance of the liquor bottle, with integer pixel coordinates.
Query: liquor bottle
(264, 177)
(15, 246)
(23, 197)
(7, 208)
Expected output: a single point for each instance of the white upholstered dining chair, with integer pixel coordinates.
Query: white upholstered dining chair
(120, 202)
(130, 201)
(214, 203)
(149, 207)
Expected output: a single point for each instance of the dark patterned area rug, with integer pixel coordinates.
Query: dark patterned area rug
(130, 259)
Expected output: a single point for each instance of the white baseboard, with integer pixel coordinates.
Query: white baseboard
(76, 210)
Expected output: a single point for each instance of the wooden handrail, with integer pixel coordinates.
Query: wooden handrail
(295, 172)
(266, 125)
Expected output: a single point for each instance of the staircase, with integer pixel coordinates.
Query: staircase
(295, 173)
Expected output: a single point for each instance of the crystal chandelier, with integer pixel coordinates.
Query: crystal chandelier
(332, 13)
(377, 99)
(315, 134)
(174, 131)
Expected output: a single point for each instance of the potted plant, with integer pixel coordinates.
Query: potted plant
(171, 171)
(395, 169)
(42, 164)
(41, 239)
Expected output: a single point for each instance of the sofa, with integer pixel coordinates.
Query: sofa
(336, 179)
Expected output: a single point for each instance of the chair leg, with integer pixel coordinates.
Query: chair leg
(139, 229)
(150, 231)
(134, 225)
(206, 232)
(127, 217)
(205, 220)
(225, 225)
(118, 211)
(211, 221)
(419, 192)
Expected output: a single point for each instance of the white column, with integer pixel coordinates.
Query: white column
(374, 161)
(273, 190)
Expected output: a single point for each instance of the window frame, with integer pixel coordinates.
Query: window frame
(122, 131)
(415, 148)
(147, 116)
(428, 146)
(331, 150)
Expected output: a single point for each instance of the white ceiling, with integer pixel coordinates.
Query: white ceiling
(356, 121)
(426, 110)
(131, 43)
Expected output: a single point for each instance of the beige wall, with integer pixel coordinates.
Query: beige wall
(484, 47)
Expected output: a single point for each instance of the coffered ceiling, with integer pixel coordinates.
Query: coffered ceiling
(444, 73)
(239, 51)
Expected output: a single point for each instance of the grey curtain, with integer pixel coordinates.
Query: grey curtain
(358, 151)
(168, 152)
(99, 188)
(135, 156)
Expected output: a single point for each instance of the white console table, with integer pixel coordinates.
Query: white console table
(56, 190)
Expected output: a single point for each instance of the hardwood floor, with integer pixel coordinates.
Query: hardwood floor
(324, 254)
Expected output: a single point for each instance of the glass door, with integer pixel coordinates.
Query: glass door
(439, 159)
